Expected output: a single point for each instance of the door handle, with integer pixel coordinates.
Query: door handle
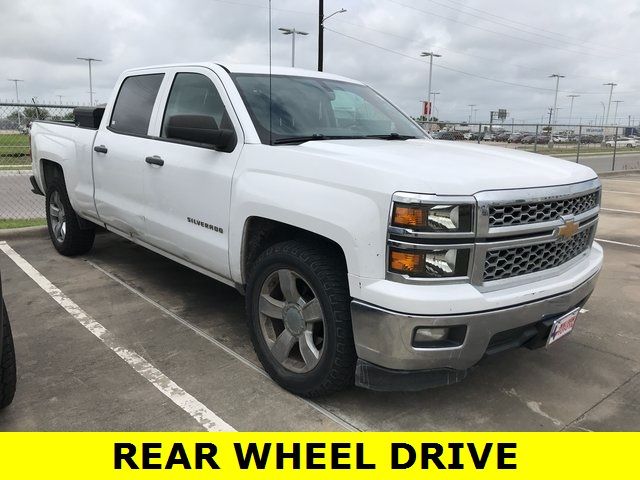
(155, 160)
(100, 149)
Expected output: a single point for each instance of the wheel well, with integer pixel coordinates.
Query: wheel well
(51, 170)
(261, 233)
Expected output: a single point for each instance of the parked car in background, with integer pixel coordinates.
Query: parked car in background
(623, 142)
(560, 139)
(471, 136)
(502, 137)
(444, 135)
(7, 357)
(515, 137)
(488, 137)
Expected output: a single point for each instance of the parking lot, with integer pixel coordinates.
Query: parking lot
(170, 332)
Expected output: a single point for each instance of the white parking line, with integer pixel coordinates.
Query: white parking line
(205, 417)
(246, 362)
(619, 211)
(623, 193)
(602, 240)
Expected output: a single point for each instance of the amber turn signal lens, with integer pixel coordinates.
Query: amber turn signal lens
(409, 216)
(406, 261)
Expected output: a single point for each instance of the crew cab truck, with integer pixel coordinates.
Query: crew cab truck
(367, 251)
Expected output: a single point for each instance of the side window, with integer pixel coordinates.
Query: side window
(132, 111)
(195, 94)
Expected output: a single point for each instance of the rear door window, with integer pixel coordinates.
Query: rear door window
(132, 111)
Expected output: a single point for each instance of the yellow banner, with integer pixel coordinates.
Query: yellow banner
(310, 456)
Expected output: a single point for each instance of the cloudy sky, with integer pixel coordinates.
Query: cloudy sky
(495, 53)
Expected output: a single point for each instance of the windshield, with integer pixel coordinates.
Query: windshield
(304, 108)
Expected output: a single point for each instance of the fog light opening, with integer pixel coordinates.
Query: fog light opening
(438, 337)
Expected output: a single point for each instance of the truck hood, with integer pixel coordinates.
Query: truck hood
(437, 166)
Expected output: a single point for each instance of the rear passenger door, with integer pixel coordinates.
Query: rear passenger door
(119, 154)
(189, 194)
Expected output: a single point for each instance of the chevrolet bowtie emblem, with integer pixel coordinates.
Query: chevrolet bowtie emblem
(568, 230)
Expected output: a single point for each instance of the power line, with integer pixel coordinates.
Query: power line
(489, 14)
(440, 65)
(457, 52)
(428, 13)
(579, 45)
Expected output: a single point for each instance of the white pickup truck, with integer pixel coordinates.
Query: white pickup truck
(367, 251)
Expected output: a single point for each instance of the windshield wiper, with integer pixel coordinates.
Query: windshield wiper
(391, 136)
(310, 138)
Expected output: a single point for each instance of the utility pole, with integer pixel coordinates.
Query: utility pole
(89, 60)
(610, 84)
(430, 55)
(572, 97)
(293, 32)
(471, 105)
(15, 83)
(555, 104)
(321, 20)
(615, 112)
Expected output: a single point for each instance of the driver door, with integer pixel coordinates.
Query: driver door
(188, 196)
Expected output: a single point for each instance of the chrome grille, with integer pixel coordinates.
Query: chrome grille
(527, 213)
(515, 261)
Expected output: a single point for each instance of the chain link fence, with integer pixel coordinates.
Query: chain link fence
(18, 205)
(604, 149)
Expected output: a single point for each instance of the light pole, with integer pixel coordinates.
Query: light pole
(471, 105)
(89, 60)
(60, 98)
(430, 55)
(293, 32)
(475, 115)
(15, 83)
(555, 104)
(321, 19)
(615, 112)
(572, 97)
(610, 84)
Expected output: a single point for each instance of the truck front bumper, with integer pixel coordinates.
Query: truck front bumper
(389, 359)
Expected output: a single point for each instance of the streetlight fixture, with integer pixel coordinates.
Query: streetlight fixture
(293, 32)
(572, 97)
(89, 60)
(610, 84)
(430, 55)
(321, 19)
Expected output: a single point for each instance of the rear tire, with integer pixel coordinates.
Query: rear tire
(313, 317)
(7, 362)
(63, 223)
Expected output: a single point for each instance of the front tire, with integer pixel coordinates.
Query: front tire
(63, 223)
(298, 309)
(7, 362)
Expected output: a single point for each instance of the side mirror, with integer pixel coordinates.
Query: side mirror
(200, 129)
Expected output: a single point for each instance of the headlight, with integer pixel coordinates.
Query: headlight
(430, 263)
(433, 218)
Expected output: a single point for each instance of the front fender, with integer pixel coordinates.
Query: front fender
(353, 220)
